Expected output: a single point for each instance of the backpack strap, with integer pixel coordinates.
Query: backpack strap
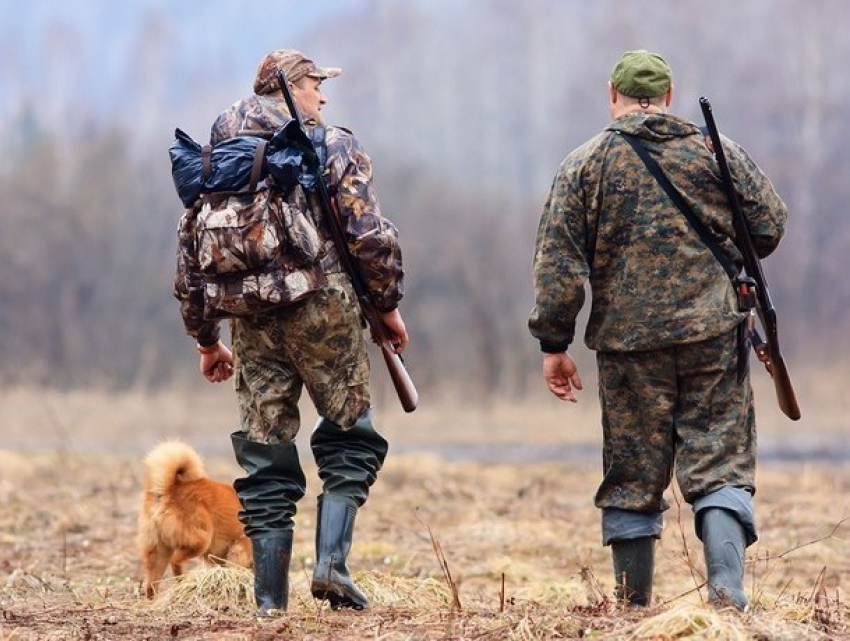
(698, 225)
(215, 198)
(257, 168)
(206, 158)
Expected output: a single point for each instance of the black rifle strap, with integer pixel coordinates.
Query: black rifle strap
(698, 226)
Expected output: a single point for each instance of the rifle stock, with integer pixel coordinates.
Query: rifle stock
(785, 395)
(403, 384)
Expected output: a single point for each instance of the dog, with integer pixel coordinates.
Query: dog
(184, 515)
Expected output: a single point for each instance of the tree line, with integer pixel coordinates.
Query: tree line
(466, 113)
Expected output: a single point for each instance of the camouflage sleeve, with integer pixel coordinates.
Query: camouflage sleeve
(764, 210)
(560, 266)
(221, 130)
(372, 239)
(189, 285)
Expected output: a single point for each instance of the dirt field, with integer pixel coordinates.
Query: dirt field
(445, 549)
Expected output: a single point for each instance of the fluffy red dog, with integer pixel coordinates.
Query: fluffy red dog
(185, 514)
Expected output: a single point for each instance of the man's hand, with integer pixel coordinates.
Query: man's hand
(217, 364)
(396, 331)
(561, 376)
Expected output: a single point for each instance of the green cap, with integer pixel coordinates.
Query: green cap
(641, 74)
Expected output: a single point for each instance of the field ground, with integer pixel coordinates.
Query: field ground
(448, 547)
(539, 427)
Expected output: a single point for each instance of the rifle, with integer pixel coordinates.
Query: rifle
(404, 387)
(766, 312)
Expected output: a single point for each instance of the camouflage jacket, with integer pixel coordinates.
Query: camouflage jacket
(653, 282)
(373, 240)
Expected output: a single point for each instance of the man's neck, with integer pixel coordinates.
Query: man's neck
(626, 110)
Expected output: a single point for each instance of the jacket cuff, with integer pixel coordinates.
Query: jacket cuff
(208, 336)
(554, 348)
(386, 309)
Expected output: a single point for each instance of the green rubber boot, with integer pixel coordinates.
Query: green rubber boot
(724, 543)
(634, 564)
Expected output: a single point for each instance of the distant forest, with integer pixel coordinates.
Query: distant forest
(466, 109)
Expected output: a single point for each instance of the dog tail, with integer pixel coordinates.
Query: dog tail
(170, 463)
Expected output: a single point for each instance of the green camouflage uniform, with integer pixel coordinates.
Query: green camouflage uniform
(318, 341)
(664, 313)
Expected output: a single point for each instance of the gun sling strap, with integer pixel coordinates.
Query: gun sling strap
(747, 335)
(699, 227)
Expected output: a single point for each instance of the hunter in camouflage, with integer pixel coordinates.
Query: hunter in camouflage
(315, 342)
(654, 283)
(663, 321)
(349, 172)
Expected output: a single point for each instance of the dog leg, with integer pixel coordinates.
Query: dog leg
(155, 560)
(183, 554)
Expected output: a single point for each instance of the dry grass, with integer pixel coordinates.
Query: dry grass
(446, 548)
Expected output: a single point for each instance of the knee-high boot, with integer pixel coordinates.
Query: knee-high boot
(272, 555)
(334, 531)
(348, 462)
(634, 564)
(269, 493)
(724, 542)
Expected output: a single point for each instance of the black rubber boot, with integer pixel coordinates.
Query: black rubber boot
(331, 579)
(272, 554)
(724, 542)
(634, 564)
(275, 483)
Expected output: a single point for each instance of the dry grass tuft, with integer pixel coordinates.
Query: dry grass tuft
(410, 593)
(213, 588)
(691, 622)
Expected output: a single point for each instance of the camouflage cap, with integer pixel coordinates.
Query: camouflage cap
(294, 64)
(641, 74)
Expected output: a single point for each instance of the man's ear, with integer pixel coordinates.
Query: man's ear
(668, 97)
(612, 93)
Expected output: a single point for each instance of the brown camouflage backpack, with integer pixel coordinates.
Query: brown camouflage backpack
(253, 239)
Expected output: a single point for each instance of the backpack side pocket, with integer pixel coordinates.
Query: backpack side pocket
(237, 235)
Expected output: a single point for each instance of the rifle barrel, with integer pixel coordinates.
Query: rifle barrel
(403, 384)
(785, 395)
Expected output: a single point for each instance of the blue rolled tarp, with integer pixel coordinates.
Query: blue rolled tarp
(289, 159)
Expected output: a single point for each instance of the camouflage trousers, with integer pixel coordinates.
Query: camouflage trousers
(315, 343)
(681, 408)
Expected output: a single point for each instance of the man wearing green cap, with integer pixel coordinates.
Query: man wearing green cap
(315, 343)
(663, 322)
